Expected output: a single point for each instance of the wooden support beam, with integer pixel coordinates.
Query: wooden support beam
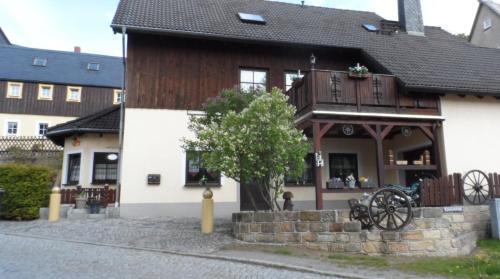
(427, 132)
(325, 129)
(380, 156)
(437, 150)
(386, 131)
(318, 171)
(373, 122)
(370, 131)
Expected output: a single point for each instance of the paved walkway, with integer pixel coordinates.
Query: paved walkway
(149, 247)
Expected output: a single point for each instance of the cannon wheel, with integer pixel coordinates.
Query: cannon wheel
(476, 187)
(390, 209)
(360, 213)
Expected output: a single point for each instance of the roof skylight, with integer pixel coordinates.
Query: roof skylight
(42, 62)
(251, 18)
(93, 66)
(370, 27)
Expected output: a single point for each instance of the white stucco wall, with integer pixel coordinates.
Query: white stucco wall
(471, 133)
(87, 144)
(28, 124)
(152, 145)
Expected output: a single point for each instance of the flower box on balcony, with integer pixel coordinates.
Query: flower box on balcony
(353, 75)
(335, 185)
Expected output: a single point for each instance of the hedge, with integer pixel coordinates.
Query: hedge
(27, 188)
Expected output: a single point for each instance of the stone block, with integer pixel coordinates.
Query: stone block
(352, 227)
(412, 235)
(326, 237)
(372, 247)
(301, 227)
(446, 234)
(336, 227)
(286, 216)
(248, 237)
(432, 212)
(244, 228)
(417, 212)
(354, 237)
(246, 217)
(424, 223)
(442, 223)
(314, 216)
(287, 227)
(397, 248)
(374, 236)
(388, 235)
(44, 213)
(328, 216)
(426, 245)
(317, 246)
(353, 247)
(432, 234)
(336, 247)
(78, 214)
(309, 237)
(287, 237)
(264, 238)
(263, 217)
(267, 227)
(254, 227)
(318, 227)
(342, 237)
(443, 245)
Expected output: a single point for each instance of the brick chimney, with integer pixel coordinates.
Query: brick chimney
(410, 17)
(78, 49)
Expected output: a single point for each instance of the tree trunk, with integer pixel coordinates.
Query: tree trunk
(250, 196)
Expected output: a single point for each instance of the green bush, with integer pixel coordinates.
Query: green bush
(27, 188)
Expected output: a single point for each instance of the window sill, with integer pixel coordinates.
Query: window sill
(291, 185)
(196, 185)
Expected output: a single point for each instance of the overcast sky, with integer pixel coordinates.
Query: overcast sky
(60, 25)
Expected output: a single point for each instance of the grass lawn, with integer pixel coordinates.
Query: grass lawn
(485, 263)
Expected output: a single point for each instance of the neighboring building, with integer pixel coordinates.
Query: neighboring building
(486, 28)
(40, 88)
(429, 91)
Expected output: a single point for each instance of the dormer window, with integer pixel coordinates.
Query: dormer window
(93, 66)
(370, 27)
(251, 18)
(41, 62)
(487, 24)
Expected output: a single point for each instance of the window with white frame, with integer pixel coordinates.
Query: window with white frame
(73, 94)
(118, 96)
(11, 128)
(45, 91)
(290, 77)
(42, 128)
(14, 90)
(253, 79)
(487, 23)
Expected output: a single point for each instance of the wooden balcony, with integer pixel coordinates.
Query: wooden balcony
(337, 91)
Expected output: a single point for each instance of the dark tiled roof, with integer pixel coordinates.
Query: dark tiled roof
(492, 5)
(16, 63)
(3, 38)
(437, 62)
(104, 121)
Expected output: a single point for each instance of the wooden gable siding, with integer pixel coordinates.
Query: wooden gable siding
(175, 73)
(93, 99)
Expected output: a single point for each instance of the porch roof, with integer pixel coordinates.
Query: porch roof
(106, 121)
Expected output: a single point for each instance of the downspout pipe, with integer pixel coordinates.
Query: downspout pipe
(122, 117)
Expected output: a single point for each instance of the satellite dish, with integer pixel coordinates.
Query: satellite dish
(113, 157)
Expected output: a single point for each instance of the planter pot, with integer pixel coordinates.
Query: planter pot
(358, 76)
(95, 207)
(352, 184)
(366, 185)
(80, 203)
(335, 185)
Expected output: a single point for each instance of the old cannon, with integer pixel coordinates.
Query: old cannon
(389, 208)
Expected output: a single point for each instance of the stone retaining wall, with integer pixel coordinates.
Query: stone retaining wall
(433, 231)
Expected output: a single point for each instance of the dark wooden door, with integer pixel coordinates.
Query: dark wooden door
(245, 203)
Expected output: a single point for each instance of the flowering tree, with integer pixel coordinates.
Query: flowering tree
(251, 138)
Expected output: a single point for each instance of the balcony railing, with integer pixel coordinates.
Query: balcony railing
(337, 91)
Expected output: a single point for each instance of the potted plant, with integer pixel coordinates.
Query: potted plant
(335, 183)
(365, 182)
(80, 199)
(95, 205)
(359, 72)
(351, 181)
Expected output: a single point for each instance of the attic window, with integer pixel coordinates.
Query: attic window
(370, 27)
(93, 66)
(42, 62)
(251, 18)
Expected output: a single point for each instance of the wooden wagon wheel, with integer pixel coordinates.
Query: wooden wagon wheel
(390, 209)
(360, 213)
(476, 187)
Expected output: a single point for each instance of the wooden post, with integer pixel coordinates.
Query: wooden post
(318, 170)
(380, 156)
(437, 150)
(313, 88)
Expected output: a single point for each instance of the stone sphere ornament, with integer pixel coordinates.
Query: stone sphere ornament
(348, 130)
(208, 194)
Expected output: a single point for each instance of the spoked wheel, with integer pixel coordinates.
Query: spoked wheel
(476, 186)
(390, 209)
(360, 213)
